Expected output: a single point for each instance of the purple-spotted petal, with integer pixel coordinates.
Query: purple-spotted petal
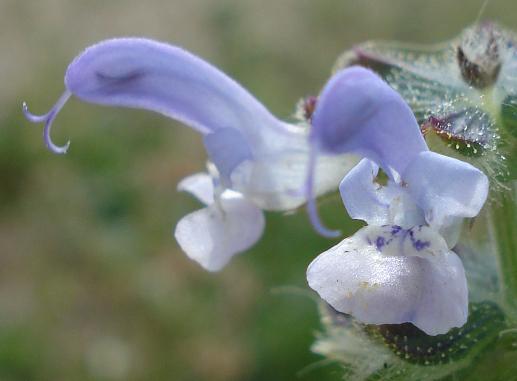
(445, 187)
(213, 235)
(389, 275)
(360, 113)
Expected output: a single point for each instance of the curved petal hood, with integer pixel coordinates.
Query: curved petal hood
(358, 112)
(142, 73)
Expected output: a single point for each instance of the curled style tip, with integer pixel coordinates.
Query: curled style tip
(311, 202)
(48, 119)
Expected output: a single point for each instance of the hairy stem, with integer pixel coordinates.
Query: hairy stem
(503, 229)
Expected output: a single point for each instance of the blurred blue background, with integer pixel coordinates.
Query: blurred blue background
(92, 284)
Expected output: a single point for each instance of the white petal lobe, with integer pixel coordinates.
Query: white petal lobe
(213, 235)
(200, 185)
(445, 187)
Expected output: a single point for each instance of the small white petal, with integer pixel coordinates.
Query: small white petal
(363, 198)
(388, 275)
(445, 187)
(212, 236)
(200, 185)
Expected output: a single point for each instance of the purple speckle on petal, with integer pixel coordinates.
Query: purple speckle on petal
(420, 245)
(395, 229)
(380, 242)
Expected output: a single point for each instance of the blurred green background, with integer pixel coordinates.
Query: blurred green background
(92, 284)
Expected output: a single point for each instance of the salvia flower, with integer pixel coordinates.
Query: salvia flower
(400, 268)
(262, 159)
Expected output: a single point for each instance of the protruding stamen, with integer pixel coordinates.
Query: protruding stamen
(48, 118)
(31, 117)
(311, 201)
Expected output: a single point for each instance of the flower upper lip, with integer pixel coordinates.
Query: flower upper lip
(389, 136)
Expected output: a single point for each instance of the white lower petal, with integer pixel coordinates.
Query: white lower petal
(388, 275)
(213, 235)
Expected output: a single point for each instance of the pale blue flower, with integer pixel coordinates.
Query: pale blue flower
(255, 154)
(401, 267)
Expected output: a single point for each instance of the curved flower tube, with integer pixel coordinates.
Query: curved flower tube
(400, 268)
(258, 156)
